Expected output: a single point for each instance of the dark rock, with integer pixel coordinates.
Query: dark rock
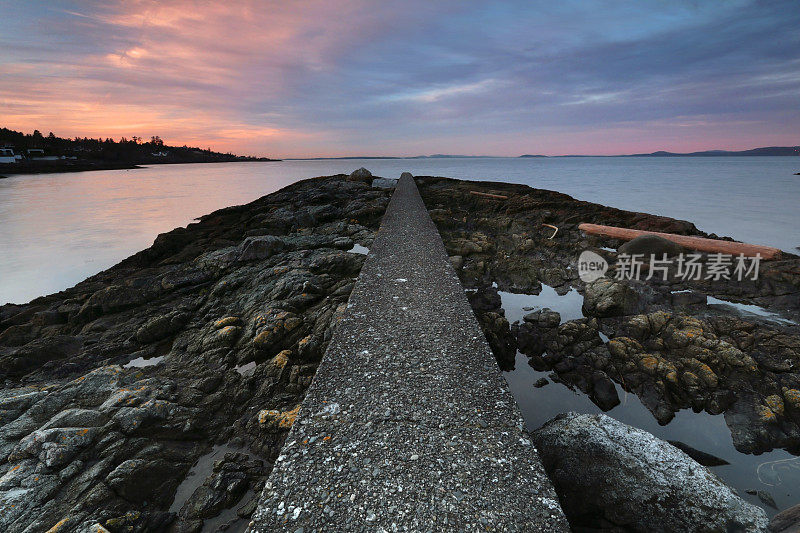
(161, 327)
(361, 174)
(258, 248)
(141, 479)
(606, 471)
(606, 297)
(787, 521)
(39, 351)
(766, 498)
(705, 459)
(603, 392)
(93, 437)
(648, 245)
(541, 382)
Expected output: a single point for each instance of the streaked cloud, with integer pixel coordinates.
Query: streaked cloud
(404, 78)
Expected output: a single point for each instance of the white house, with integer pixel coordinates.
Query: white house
(37, 154)
(7, 155)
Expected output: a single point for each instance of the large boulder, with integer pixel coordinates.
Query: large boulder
(361, 174)
(611, 475)
(607, 297)
(650, 244)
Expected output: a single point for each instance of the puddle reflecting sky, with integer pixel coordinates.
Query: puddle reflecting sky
(777, 472)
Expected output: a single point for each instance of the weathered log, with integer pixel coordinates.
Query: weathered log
(489, 195)
(695, 243)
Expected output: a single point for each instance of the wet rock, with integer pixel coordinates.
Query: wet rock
(77, 418)
(54, 446)
(650, 245)
(607, 472)
(787, 521)
(142, 479)
(39, 351)
(223, 488)
(161, 327)
(705, 459)
(606, 297)
(258, 248)
(687, 298)
(88, 434)
(115, 298)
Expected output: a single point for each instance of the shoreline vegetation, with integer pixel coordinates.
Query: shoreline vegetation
(38, 154)
(199, 351)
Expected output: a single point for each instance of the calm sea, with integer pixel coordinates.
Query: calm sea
(57, 229)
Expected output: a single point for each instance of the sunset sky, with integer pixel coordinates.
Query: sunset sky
(307, 78)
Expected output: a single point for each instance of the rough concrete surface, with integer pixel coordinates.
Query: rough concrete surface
(409, 424)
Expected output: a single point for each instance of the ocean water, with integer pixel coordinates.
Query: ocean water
(57, 229)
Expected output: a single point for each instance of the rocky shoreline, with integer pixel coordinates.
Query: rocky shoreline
(199, 349)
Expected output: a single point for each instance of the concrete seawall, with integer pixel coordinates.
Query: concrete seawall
(409, 424)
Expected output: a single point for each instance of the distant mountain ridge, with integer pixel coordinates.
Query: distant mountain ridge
(765, 151)
(768, 150)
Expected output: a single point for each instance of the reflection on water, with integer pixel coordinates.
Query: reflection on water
(60, 228)
(750, 309)
(358, 249)
(777, 472)
(518, 305)
(141, 362)
(247, 368)
(202, 468)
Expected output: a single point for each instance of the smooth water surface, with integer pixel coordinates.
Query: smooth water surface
(776, 472)
(57, 229)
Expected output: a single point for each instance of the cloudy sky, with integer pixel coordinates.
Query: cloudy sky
(308, 78)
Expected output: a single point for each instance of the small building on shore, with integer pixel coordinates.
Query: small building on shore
(7, 155)
(37, 154)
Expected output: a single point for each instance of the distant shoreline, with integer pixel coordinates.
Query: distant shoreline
(18, 169)
(769, 151)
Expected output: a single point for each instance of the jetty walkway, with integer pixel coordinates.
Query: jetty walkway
(409, 424)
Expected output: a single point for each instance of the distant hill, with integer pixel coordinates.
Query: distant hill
(766, 151)
(769, 150)
(35, 153)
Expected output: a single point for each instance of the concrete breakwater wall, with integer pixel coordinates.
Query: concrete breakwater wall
(409, 424)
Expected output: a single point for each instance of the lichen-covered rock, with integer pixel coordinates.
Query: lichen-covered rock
(94, 435)
(606, 297)
(604, 470)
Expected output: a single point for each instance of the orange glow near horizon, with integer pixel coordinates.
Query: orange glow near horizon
(354, 78)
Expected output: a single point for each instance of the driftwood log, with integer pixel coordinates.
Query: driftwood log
(694, 243)
(489, 195)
